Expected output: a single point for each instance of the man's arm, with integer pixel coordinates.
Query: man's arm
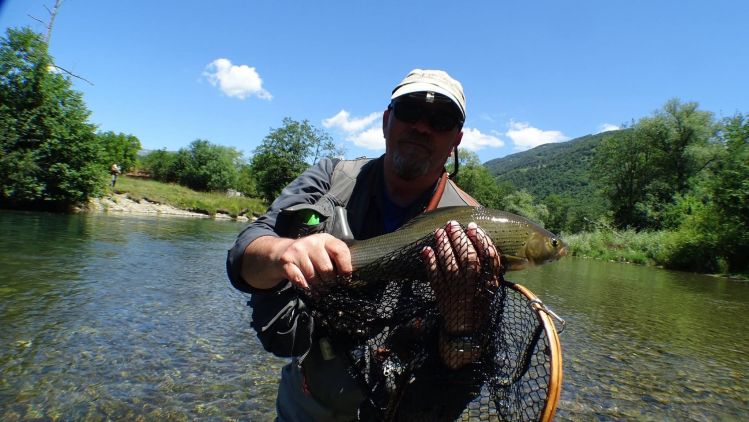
(254, 265)
(308, 188)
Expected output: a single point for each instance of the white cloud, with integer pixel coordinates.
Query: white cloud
(525, 136)
(370, 139)
(365, 132)
(607, 127)
(343, 121)
(240, 81)
(474, 140)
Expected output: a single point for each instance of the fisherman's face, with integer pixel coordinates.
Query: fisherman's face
(419, 142)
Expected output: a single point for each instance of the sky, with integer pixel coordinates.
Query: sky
(534, 72)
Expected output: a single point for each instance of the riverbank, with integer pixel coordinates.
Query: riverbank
(123, 203)
(662, 249)
(136, 195)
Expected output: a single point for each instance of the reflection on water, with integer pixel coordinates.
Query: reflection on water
(119, 317)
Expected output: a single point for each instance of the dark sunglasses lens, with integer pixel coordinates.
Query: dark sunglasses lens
(441, 121)
(408, 112)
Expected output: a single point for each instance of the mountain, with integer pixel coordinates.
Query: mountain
(558, 168)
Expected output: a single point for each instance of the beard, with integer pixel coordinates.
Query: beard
(412, 163)
(409, 166)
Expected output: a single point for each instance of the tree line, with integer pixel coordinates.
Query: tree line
(682, 171)
(679, 170)
(51, 157)
(283, 155)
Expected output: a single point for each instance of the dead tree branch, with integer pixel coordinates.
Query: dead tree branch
(73, 74)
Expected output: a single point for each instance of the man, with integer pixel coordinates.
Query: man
(422, 126)
(115, 171)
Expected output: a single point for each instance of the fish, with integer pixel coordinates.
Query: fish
(521, 242)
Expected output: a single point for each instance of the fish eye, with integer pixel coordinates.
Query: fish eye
(554, 242)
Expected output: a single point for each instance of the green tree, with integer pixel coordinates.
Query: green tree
(208, 167)
(48, 152)
(118, 148)
(623, 168)
(523, 203)
(161, 165)
(676, 133)
(475, 179)
(642, 169)
(247, 184)
(724, 222)
(286, 152)
(681, 139)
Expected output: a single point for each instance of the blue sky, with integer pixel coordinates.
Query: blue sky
(170, 72)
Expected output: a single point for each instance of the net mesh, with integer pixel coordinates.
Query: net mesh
(437, 348)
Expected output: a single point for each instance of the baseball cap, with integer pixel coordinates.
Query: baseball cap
(436, 81)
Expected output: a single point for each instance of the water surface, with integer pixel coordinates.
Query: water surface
(108, 317)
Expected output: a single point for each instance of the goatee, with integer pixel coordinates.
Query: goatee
(410, 166)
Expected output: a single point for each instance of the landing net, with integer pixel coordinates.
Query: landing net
(433, 351)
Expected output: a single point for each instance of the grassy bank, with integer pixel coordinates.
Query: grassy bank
(646, 248)
(188, 199)
(673, 250)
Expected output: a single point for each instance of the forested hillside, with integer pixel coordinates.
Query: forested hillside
(557, 176)
(559, 168)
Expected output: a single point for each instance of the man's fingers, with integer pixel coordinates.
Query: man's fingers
(322, 268)
(314, 259)
(485, 247)
(445, 254)
(295, 275)
(433, 272)
(465, 249)
(340, 255)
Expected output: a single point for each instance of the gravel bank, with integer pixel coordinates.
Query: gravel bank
(123, 203)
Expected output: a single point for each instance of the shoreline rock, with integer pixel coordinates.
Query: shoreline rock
(122, 203)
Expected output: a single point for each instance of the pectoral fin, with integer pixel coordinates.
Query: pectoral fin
(514, 263)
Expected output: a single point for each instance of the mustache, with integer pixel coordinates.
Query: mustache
(417, 136)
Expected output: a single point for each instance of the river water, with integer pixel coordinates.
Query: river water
(109, 317)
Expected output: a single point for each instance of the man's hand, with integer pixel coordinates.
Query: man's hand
(306, 261)
(464, 273)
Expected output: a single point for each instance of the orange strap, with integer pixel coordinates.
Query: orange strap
(435, 200)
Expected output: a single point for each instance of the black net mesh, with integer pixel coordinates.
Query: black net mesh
(439, 348)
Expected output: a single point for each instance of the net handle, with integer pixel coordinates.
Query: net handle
(555, 356)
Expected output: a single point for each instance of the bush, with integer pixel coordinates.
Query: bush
(208, 167)
(161, 165)
(118, 148)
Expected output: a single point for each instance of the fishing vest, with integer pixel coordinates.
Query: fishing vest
(317, 385)
(330, 214)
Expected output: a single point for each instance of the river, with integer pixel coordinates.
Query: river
(116, 317)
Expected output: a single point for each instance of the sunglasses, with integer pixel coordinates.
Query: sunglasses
(412, 112)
